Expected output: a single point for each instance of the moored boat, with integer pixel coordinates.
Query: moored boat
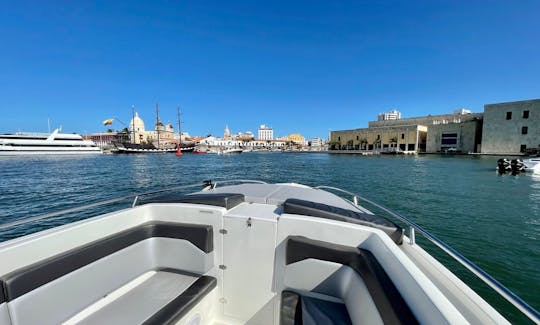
(54, 143)
(229, 151)
(252, 253)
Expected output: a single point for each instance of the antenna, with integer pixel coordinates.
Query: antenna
(49, 124)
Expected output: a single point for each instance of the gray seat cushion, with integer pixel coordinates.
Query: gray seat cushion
(298, 309)
(319, 210)
(164, 297)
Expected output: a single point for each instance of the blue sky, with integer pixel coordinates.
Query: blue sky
(302, 66)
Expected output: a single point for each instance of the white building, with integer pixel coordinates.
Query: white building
(265, 133)
(213, 142)
(392, 115)
(136, 129)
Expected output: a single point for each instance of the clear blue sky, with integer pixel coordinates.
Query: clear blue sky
(298, 66)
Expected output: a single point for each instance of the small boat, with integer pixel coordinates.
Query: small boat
(199, 152)
(55, 143)
(531, 162)
(229, 151)
(243, 252)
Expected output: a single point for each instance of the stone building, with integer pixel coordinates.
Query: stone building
(162, 133)
(464, 137)
(511, 128)
(389, 138)
(459, 131)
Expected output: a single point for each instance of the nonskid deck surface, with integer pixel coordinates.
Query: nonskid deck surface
(257, 254)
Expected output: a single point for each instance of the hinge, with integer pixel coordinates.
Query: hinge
(223, 300)
(223, 231)
(223, 267)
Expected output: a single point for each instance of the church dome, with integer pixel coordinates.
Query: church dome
(136, 122)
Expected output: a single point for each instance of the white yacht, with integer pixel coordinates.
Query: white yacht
(55, 143)
(246, 253)
(229, 151)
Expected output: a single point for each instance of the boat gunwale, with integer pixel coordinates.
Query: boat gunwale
(504, 292)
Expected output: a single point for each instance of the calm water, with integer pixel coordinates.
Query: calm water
(492, 220)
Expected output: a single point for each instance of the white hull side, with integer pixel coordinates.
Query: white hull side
(13, 151)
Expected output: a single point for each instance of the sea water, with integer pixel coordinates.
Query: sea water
(492, 220)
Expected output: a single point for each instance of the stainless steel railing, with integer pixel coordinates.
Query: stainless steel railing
(511, 297)
(134, 197)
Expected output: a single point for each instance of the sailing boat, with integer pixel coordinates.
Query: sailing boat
(183, 147)
(134, 147)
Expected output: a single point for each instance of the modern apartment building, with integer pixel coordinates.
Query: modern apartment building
(265, 133)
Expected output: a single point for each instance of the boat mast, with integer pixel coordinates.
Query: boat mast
(157, 123)
(179, 127)
(133, 122)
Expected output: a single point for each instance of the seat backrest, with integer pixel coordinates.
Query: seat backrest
(54, 289)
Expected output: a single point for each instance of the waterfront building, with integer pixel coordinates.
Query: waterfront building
(107, 139)
(297, 138)
(214, 143)
(511, 128)
(162, 134)
(456, 117)
(245, 136)
(136, 129)
(459, 131)
(392, 115)
(318, 144)
(165, 132)
(464, 137)
(265, 133)
(388, 138)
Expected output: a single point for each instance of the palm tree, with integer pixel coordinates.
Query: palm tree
(363, 143)
(376, 143)
(393, 142)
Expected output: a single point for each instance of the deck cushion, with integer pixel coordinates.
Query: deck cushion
(391, 306)
(298, 309)
(28, 278)
(2, 295)
(181, 305)
(164, 297)
(225, 200)
(319, 210)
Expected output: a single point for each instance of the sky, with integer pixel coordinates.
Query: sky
(304, 67)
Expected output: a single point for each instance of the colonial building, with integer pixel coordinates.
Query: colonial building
(511, 128)
(162, 133)
(213, 142)
(104, 140)
(389, 138)
(298, 139)
(459, 131)
(136, 129)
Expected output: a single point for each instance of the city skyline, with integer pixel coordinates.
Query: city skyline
(302, 67)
